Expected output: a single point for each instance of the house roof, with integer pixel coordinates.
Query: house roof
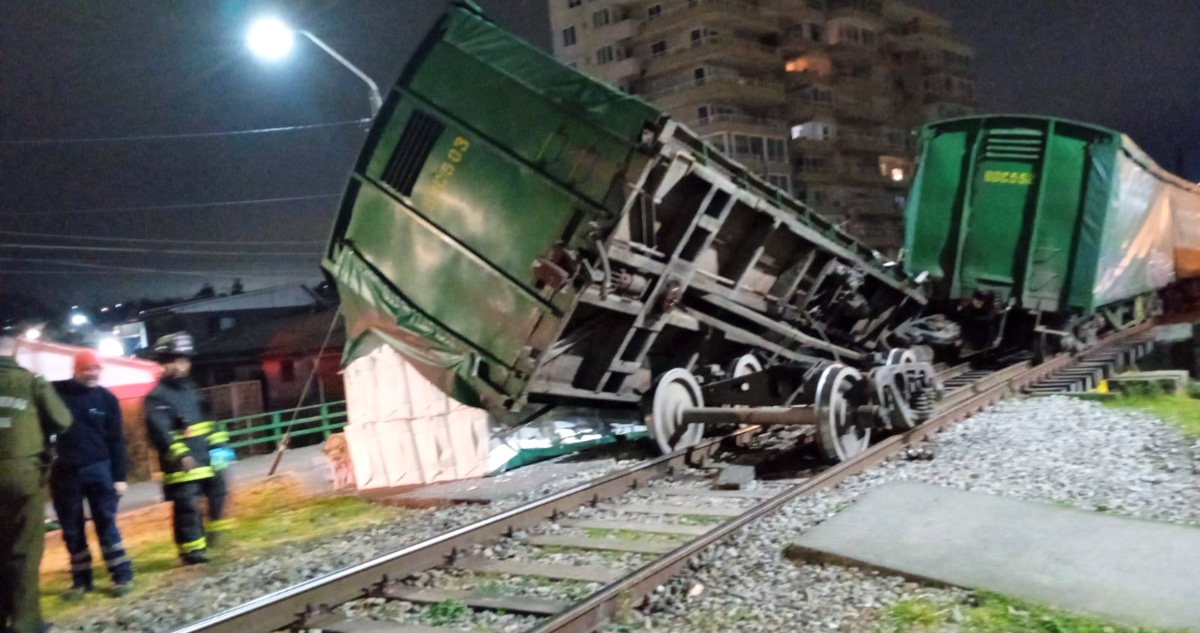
(286, 296)
(274, 337)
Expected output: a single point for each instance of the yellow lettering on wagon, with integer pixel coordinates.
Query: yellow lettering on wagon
(1008, 177)
(454, 156)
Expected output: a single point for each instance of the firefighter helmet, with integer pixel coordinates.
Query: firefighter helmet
(174, 345)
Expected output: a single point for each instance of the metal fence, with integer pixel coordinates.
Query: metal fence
(261, 433)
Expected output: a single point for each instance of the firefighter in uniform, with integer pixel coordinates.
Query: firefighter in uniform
(187, 447)
(30, 413)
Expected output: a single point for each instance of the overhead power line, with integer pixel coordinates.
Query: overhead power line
(186, 205)
(166, 137)
(90, 268)
(140, 240)
(154, 251)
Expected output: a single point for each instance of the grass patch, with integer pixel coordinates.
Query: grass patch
(268, 516)
(1181, 411)
(993, 614)
(445, 613)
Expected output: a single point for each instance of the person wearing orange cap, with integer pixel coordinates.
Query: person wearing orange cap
(91, 466)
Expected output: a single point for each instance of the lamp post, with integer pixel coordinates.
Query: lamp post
(271, 39)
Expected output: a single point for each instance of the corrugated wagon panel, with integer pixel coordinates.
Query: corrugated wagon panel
(934, 205)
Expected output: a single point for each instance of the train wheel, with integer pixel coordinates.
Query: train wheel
(746, 365)
(841, 436)
(675, 391)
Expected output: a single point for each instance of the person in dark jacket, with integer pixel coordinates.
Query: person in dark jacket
(91, 465)
(30, 415)
(177, 428)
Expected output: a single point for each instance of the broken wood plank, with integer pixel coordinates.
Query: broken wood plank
(513, 604)
(544, 570)
(604, 544)
(634, 526)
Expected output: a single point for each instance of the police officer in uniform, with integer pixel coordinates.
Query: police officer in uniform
(177, 428)
(30, 413)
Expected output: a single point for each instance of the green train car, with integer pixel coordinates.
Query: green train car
(1042, 231)
(526, 236)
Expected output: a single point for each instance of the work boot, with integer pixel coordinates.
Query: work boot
(122, 589)
(214, 539)
(195, 558)
(75, 594)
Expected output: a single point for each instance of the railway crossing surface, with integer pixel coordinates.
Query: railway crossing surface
(1129, 570)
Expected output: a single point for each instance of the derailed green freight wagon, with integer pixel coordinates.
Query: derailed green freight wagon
(1038, 224)
(523, 233)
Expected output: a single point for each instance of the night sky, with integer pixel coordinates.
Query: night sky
(77, 70)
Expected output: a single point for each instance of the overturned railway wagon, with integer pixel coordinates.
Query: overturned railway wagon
(1053, 229)
(527, 236)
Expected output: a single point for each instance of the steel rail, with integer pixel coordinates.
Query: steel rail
(286, 607)
(295, 605)
(589, 615)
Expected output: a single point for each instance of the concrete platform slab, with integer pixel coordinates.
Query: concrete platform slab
(1125, 570)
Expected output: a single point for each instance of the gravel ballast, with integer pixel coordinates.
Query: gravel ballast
(1053, 449)
(228, 587)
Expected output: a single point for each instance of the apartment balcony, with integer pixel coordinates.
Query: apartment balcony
(757, 164)
(730, 51)
(794, 43)
(869, 144)
(858, 112)
(619, 30)
(735, 15)
(827, 177)
(862, 86)
(615, 72)
(803, 110)
(753, 93)
(812, 147)
(737, 124)
(855, 12)
(866, 177)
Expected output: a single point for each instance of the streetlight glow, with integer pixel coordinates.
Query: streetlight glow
(270, 39)
(111, 348)
(33, 334)
(78, 319)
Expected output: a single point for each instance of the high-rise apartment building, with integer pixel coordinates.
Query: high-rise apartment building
(818, 96)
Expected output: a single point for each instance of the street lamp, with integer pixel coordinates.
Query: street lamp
(271, 39)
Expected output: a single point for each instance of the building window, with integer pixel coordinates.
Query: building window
(698, 73)
(571, 4)
(816, 32)
(697, 35)
(654, 12)
(287, 370)
(604, 55)
(718, 141)
(659, 47)
(780, 181)
(568, 35)
(776, 150)
(702, 112)
(601, 18)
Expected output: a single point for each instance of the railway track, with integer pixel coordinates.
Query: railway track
(684, 530)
